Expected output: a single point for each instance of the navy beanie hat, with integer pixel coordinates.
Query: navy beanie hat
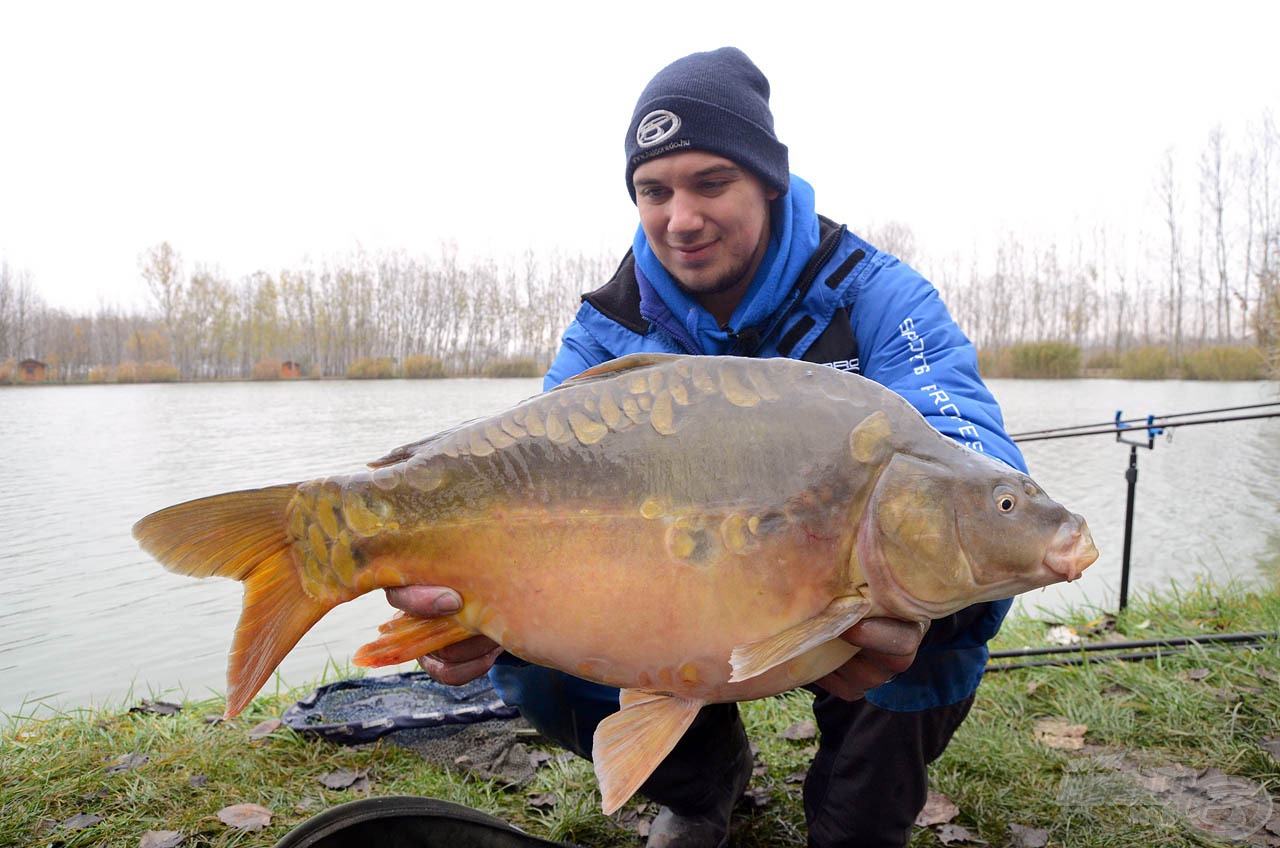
(717, 102)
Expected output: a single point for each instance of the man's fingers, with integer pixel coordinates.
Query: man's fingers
(473, 648)
(425, 601)
(888, 636)
(458, 673)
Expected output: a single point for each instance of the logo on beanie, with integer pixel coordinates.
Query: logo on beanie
(656, 127)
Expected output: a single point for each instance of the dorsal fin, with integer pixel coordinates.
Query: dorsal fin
(622, 363)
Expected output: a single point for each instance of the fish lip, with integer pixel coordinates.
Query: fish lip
(1071, 551)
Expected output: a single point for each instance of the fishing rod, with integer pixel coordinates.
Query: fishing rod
(1169, 642)
(1155, 425)
(1120, 425)
(1081, 654)
(1113, 424)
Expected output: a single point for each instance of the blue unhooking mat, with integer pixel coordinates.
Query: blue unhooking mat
(353, 712)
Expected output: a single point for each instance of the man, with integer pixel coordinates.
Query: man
(732, 258)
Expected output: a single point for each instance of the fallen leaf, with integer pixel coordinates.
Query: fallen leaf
(760, 770)
(758, 796)
(342, 778)
(1117, 689)
(161, 839)
(1027, 837)
(198, 781)
(938, 809)
(1197, 674)
(643, 826)
(544, 799)
(80, 820)
(539, 757)
(796, 776)
(1033, 686)
(263, 729)
(1056, 733)
(949, 834)
(1106, 624)
(1226, 696)
(803, 729)
(214, 719)
(127, 762)
(1062, 635)
(306, 804)
(245, 816)
(156, 707)
(1271, 745)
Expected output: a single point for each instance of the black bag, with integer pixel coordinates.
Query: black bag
(408, 821)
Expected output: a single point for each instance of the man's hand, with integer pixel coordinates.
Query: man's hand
(462, 661)
(888, 648)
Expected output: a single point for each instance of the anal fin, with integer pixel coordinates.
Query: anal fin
(630, 744)
(405, 638)
(755, 658)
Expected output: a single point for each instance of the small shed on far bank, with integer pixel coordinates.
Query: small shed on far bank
(290, 370)
(31, 371)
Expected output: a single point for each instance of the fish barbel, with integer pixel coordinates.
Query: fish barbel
(688, 529)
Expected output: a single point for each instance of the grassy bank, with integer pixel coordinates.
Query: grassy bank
(79, 779)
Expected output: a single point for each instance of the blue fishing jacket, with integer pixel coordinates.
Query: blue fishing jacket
(824, 295)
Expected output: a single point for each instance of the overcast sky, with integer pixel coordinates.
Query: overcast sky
(265, 135)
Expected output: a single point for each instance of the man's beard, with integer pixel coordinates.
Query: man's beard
(728, 280)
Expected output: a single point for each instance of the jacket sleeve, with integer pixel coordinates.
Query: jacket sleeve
(909, 343)
(579, 350)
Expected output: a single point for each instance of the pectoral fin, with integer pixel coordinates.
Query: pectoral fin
(405, 638)
(757, 657)
(630, 744)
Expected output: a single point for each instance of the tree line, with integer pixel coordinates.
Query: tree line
(1205, 270)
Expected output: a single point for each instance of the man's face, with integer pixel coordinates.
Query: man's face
(706, 219)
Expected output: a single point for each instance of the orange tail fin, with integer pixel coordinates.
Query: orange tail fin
(241, 535)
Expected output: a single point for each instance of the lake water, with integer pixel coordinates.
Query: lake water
(86, 617)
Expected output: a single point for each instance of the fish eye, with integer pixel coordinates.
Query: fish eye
(1005, 500)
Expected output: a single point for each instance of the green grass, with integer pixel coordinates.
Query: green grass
(52, 767)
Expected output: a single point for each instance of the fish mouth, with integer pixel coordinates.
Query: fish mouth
(1072, 550)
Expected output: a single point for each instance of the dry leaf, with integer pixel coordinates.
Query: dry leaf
(342, 778)
(1062, 635)
(801, 730)
(539, 758)
(950, 834)
(643, 826)
(1023, 836)
(263, 729)
(1056, 733)
(127, 762)
(758, 796)
(1033, 686)
(161, 839)
(156, 707)
(1271, 745)
(938, 809)
(245, 816)
(198, 781)
(80, 820)
(1196, 674)
(796, 776)
(544, 799)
